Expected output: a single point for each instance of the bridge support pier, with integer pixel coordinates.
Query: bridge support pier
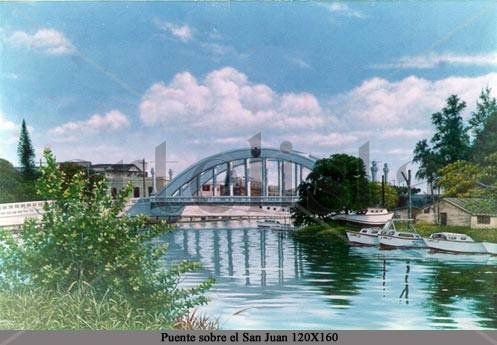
(214, 182)
(247, 176)
(295, 178)
(229, 177)
(264, 177)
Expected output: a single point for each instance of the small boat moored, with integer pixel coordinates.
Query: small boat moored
(369, 216)
(400, 234)
(453, 242)
(366, 236)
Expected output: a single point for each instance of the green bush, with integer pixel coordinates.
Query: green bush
(86, 238)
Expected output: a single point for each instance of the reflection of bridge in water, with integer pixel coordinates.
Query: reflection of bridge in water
(243, 177)
(244, 255)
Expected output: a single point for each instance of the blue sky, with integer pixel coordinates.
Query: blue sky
(110, 81)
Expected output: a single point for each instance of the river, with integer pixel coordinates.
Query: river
(269, 280)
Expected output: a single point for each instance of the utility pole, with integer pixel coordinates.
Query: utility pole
(408, 182)
(143, 178)
(383, 190)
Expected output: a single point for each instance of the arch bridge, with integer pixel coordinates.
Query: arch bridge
(248, 176)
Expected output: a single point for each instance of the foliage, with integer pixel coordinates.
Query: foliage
(459, 179)
(26, 153)
(326, 230)
(467, 179)
(335, 184)
(428, 161)
(489, 235)
(194, 321)
(13, 187)
(391, 196)
(85, 238)
(483, 124)
(449, 144)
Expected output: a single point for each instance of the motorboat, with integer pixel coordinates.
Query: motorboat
(369, 216)
(400, 234)
(273, 224)
(453, 242)
(490, 247)
(366, 236)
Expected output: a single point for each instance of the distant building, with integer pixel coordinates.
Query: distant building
(469, 212)
(120, 174)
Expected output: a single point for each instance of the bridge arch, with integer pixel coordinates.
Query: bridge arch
(190, 181)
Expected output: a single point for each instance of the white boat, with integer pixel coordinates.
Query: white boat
(369, 216)
(400, 234)
(366, 236)
(452, 242)
(273, 224)
(490, 247)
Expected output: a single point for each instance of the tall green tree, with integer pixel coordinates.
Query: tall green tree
(449, 144)
(483, 124)
(26, 153)
(337, 183)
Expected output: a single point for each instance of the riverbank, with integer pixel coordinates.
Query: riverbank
(334, 230)
(331, 230)
(488, 235)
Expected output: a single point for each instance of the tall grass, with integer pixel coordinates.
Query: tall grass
(39, 309)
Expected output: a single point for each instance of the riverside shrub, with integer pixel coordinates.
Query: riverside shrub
(84, 237)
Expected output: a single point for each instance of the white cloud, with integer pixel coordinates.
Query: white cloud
(381, 104)
(225, 99)
(45, 40)
(6, 125)
(331, 139)
(342, 9)
(182, 32)
(404, 133)
(437, 60)
(71, 131)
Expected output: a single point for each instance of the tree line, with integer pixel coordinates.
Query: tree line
(461, 157)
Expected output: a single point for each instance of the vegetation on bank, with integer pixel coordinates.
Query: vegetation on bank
(329, 230)
(489, 235)
(461, 158)
(84, 308)
(333, 230)
(84, 251)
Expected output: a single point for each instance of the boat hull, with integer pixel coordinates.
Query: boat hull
(491, 248)
(455, 247)
(396, 242)
(376, 219)
(362, 239)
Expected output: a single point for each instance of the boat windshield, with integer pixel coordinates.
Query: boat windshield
(439, 237)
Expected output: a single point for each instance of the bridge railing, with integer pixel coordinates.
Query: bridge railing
(220, 199)
(22, 208)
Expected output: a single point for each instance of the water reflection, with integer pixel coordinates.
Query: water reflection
(267, 279)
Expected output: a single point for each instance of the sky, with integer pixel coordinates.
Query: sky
(109, 81)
